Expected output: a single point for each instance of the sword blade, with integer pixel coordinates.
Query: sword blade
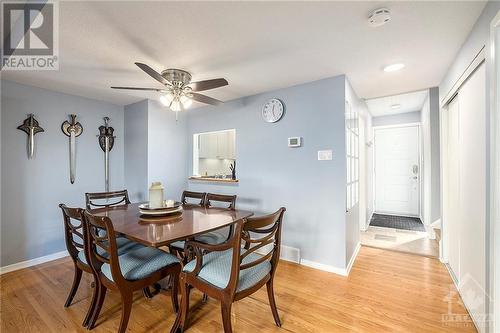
(106, 163)
(72, 157)
(31, 143)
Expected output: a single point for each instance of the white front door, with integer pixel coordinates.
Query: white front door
(397, 170)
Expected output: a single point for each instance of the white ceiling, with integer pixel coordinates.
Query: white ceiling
(409, 102)
(256, 46)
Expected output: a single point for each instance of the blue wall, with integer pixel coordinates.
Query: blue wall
(156, 150)
(167, 149)
(31, 222)
(272, 175)
(136, 150)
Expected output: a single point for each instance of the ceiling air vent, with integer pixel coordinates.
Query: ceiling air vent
(379, 17)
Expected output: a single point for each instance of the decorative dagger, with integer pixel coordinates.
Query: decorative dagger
(72, 129)
(106, 142)
(30, 126)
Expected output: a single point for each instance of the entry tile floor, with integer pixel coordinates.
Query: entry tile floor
(416, 242)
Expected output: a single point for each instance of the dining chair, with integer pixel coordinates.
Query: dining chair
(220, 235)
(101, 199)
(76, 246)
(233, 270)
(212, 237)
(94, 200)
(177, 248)
(222, 198)
(73, 234)
(126, 273)
(186, 195)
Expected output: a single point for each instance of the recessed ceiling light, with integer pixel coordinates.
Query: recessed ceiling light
(395, 106)
(394, 67)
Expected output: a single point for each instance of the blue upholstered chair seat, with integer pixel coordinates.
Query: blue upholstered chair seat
(216, 269)
(213, 237)
(123, 244)
(138, 263)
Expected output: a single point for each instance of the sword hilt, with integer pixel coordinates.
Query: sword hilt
(73, 126)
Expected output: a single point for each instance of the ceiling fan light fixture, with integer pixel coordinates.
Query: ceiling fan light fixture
(179, 92)
(166, 99)
(176, 105)
(186, 101)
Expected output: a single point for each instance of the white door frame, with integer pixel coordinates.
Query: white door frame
(494, 212)
(375, 128)
(362, 173)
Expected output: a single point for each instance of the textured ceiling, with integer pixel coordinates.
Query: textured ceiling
(256, 46)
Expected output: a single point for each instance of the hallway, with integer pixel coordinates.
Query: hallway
(410, 241)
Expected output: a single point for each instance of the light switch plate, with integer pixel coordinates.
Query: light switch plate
(325, 155)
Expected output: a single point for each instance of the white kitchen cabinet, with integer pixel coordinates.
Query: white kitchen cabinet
(217, 145)
(231, 147)
(208, 145)
(222, 145)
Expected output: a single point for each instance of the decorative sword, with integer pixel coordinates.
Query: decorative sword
(31, 127)
(106, 142)
(72, 129)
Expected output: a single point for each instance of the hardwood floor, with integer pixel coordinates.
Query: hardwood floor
(386, 291)
(400, 240)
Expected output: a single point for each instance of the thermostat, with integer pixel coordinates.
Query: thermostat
(295, 142)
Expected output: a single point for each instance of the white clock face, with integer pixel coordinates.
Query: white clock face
(273, 110)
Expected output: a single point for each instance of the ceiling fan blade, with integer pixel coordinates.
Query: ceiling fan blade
(134, 88)
(208, 84)
(154, 74)
(205, 99)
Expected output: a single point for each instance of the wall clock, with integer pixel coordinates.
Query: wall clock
(273, 110)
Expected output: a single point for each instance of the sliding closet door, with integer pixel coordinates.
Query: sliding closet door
(472, 188)
(464, 191)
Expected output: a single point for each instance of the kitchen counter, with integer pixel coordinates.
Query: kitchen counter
(211, 179)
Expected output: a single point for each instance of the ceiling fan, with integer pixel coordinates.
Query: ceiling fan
(179, 92)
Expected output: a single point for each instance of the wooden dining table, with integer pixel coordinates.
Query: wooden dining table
(192, 221)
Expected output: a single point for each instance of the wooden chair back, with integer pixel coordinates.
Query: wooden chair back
(101, 199)
(255, 233)
(73, 230)
(193, 195)
(259, 232)
(101, 234)
(212, 197)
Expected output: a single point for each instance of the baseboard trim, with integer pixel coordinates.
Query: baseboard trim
(323, 267)
(33, 262)
(353, 258)
(333, 269)
(475, 321)
(287, 253)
